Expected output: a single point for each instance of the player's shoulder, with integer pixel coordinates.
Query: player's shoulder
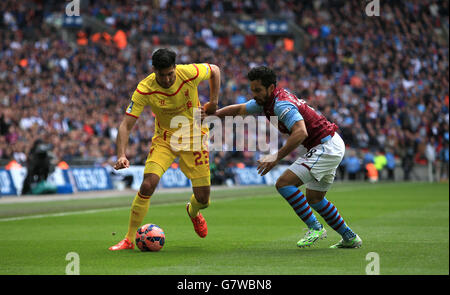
(284, 98)
(285, 101)
(147, 84)
(187, 71)
(281, 107)
(283, 94)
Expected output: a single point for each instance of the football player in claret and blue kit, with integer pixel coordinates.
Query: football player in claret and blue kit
(316, 168)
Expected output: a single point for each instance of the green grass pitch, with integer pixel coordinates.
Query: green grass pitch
(252, 231)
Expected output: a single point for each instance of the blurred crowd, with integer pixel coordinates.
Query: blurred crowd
(382, 79)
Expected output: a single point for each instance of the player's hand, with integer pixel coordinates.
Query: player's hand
(210, 108)
(266, 163)
(121, 163)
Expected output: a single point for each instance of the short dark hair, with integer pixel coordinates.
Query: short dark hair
(163, 58)
(266, 75)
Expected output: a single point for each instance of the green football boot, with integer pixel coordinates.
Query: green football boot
(356, 242)
(311, 237)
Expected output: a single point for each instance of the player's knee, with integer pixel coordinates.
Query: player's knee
(147, 188)
(281, 182)
(313, 196)
(288, 178)
(149, 185)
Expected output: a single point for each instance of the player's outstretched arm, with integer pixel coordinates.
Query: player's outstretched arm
(232, 110)
(123, 135)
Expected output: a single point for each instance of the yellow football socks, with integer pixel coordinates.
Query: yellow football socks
(139, 209)
(196, 206)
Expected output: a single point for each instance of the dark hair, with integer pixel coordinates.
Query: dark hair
(266, 75)
(163, 58)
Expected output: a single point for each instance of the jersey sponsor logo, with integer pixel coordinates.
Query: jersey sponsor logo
(207, 68)
(130, 107)
(284, 113)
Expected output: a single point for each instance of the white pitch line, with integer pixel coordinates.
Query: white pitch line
(109, 209)
(60, 214)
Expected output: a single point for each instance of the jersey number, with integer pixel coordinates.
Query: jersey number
(310, 153)
(198, 156)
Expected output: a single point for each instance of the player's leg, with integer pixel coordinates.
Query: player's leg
(200, 197)
(140, 205)
(287, 185)
(158, 160)
(141, 202)
(324, 170)
(199, 200)
(195, 165)
(317, 162)
(331, 215)
(315, 194)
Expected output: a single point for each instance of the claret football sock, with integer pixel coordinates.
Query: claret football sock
(139, 209)
(331, 215)
(195, 206)
(298, 202)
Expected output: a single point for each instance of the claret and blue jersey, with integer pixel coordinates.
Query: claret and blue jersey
(289, 110)
(286, 111)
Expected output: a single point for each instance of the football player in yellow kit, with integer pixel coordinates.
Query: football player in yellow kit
(170, 91)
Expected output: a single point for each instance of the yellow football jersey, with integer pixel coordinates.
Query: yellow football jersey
(174, 104)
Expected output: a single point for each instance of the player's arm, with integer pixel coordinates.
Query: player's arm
(232, 110)
(214, 88)
(123, 135)
(289, 115)
(132, 113)
(298, 135)
(243, 109)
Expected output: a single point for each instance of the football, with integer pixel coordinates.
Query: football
(150, 237)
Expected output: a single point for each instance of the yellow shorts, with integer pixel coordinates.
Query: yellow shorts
(194, 164)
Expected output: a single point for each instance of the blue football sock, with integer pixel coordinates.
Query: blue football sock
(331, 215)
(298, 202)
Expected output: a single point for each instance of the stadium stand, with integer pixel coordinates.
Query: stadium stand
(383, 80)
